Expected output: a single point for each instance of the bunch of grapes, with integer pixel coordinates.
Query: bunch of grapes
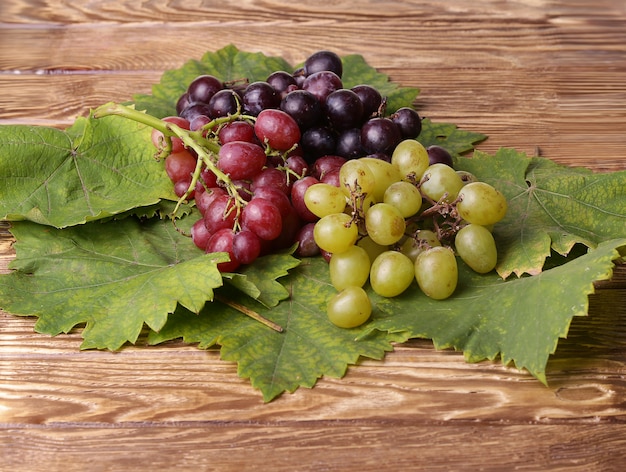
(299, 159)
(391, 223)
(266, 142)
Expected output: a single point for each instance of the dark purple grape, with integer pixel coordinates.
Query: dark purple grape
(408, 121)
(195, 110)
(223, 103)
(283, 82)
(326, 164)
(203, 87)
(303, 107)
(349, 144)
(437, 154)
(323, 61)
(344, 109)
(321, 84)
(380, 135)
(258, 96)
(317, 142)
(381, 155)
(371, 99)
(198, 122)
(182, 103)
(307, 247)
(299, 77)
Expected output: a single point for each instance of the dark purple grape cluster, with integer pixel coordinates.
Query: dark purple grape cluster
(346, 122)
(275, 138)
(333, 120)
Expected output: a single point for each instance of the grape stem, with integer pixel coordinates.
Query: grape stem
(206, 149)
(252, 314)
(451, 223)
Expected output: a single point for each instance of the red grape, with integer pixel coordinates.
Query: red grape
(263, 218)
(221, 213)
(236, 131)
(200, 235)
(204, 199)
(222, 241)
(158, 137)
(241, 159)
(298, 189)
(180, 166)
(246, 246)
(276, 196)
(276, 128)
(271, 177)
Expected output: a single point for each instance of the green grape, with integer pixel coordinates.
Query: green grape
(349, 268)
(441, 182)
(335, 233)
(384, 224)
(467, 177)
(482, 204)
(391, 274)
(349, 308)
(373, 249)
(436, 272)
(423, 239)
(356, 178)
(476, 246)
(405, 197)
(411, 159)
(385, 174)
(324, 199)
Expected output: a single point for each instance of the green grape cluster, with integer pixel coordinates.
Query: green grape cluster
(395, 222)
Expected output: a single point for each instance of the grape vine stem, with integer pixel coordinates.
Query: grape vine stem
(252, 314)
(204, 148)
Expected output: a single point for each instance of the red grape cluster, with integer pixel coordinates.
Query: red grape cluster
(271, 140)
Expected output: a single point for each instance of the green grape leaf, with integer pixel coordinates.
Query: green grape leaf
(113, 277)
(259, 280)
(550, 207)
(520, 320)
(95, 169)
(227, 64)
(309, 347)
(118, 275)
(453, 139)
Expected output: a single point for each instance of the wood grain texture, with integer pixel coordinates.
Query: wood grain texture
(541, 76)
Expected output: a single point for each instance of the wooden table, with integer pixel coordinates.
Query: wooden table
(537, 75)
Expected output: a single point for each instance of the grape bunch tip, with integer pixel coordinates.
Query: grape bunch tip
(298, 159)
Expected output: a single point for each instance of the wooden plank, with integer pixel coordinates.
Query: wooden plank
(529, 98)
(315, 446)
(179, 383)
